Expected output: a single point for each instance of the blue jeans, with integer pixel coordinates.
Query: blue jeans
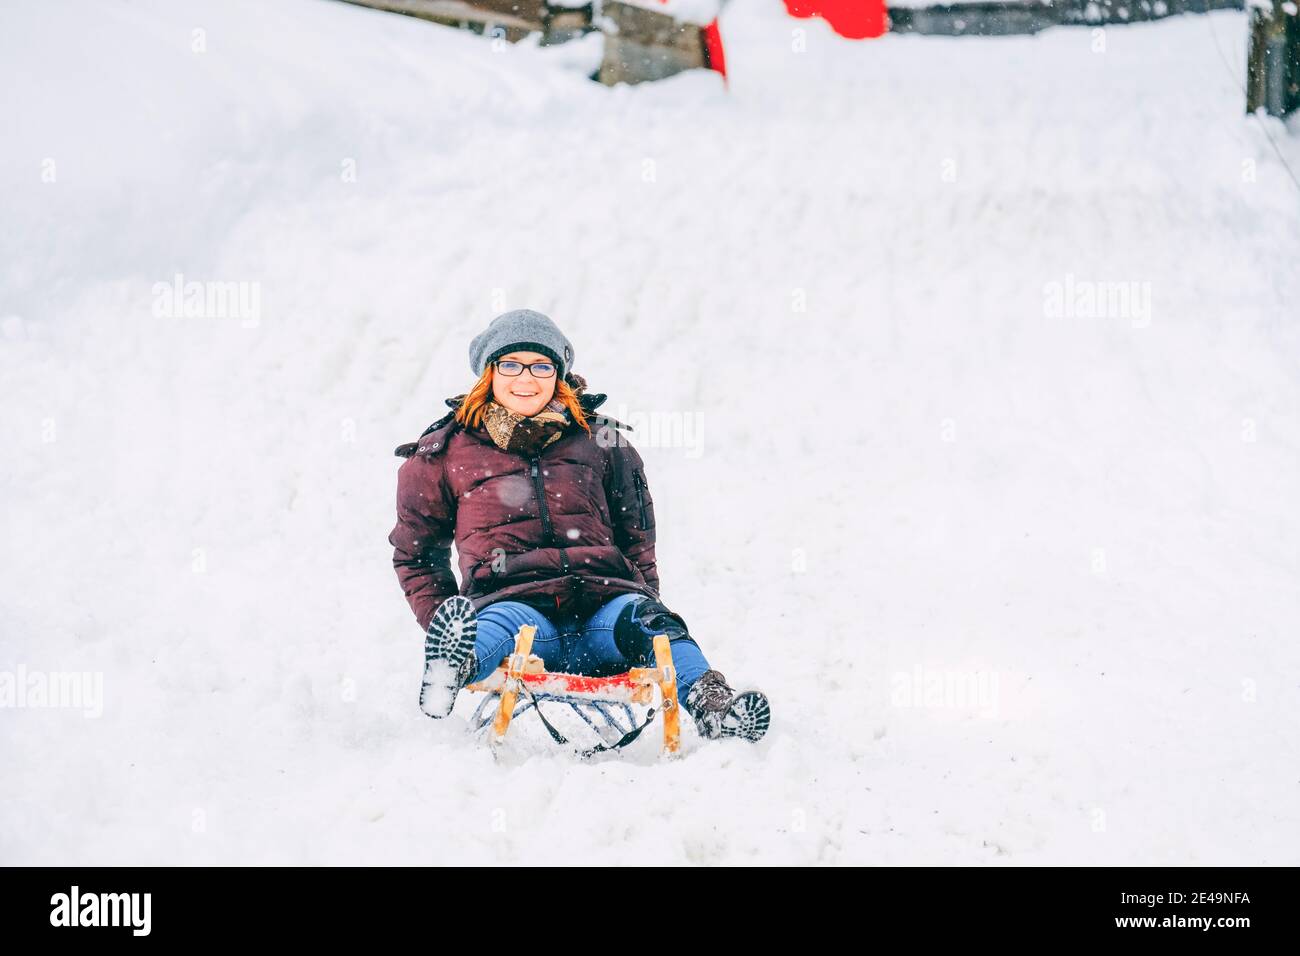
(573, 646)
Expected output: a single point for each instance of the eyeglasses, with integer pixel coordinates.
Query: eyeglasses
(538, 369)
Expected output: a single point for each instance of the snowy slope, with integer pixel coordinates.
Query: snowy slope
(841, 272)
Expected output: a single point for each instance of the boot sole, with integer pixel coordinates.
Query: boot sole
(748, 717)
(447, 645)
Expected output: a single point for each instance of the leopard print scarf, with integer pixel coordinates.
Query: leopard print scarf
(525, 435)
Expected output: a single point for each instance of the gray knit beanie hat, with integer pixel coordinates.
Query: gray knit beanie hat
(521, 330)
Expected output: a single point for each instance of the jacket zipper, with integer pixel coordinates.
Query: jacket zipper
(547, 529)
(640, 498)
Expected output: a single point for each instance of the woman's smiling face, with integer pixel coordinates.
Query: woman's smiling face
(522, 393)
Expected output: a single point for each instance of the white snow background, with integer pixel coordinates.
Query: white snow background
(910, 470)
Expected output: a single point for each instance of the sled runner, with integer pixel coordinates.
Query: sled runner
(605, 704)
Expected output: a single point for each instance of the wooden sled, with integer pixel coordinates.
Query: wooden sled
(604, 703)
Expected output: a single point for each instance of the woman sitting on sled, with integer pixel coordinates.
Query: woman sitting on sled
(553, 524)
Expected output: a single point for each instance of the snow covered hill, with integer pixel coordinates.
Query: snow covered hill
(1010, 323)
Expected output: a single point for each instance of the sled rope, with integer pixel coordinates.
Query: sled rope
(560, 739)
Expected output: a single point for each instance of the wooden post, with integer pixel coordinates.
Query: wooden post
(1273, 64)
(645, 44)
(671, 711)
(516, 667)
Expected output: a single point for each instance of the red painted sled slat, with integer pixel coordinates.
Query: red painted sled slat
(524, 670)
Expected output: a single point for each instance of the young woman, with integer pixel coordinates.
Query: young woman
(549, 510)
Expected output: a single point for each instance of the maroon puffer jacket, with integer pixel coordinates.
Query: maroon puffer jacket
(564, 531)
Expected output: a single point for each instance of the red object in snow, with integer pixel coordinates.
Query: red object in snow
(713, 55)
(855, 19)
(713, 49)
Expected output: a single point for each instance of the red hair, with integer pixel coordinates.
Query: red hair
(470, 411)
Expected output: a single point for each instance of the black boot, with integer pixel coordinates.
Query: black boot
(720, 712)
(449, 659)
